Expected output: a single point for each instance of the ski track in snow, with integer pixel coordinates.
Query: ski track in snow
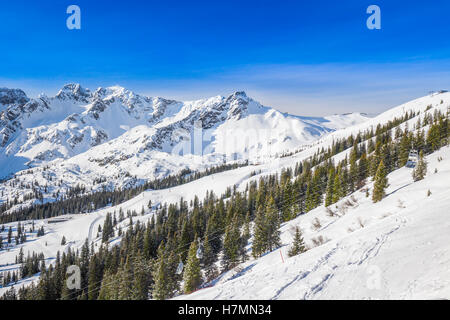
(91, 227)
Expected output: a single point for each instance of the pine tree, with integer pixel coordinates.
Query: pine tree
(420, 170)
(209, 259)
(231, 245)
(185, 239)
(338, 191)
(172, 265)
(353, 176)
(9, 235)
(287, 200)
(273, 225)
(259, 234)
(126, 280)
(108, 228)
(95, 274)
(380, 184)
(161, 289)
(244, 238)
(109, 287)
(330, 187)
(433, 138)
(309, 201)
(419, 141)
(298, 245)
(192, 274)
(363, 167)
(141, 279)
(405, 146)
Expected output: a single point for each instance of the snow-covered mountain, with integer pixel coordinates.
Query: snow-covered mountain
(112, 133)
(393, 249)
(9, 97)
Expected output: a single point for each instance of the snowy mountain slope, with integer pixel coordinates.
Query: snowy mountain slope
(395, 249)
(80, 227)
(60, 127)
(439, 101)
(74, 171)
(80, 136)
(348, 249)
(362, 240)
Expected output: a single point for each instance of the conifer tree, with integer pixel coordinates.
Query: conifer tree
(141, 278)
(330, 187)
(109, 287)
(259, 234)
(209, 259)
(353, 175)
(287, 200)
(9, 235)
(161, 289)
(185, 240)
(273, 225)
(420, 170)
(376, 158)
(108, 228)
(244, 238)
(309, 201)
(363, 168)
(419, 141)
(192, 275)
(298, 245)
(338, 192)
(231, 245)
(380, 184)
(95, 273)
(126, 280)
(433, 138)
(173, 278)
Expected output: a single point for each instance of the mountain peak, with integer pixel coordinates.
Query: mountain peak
(12, 96)
(239, 94)
(74, 91)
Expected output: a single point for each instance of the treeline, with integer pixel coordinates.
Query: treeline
(77, 201)
(178, 249)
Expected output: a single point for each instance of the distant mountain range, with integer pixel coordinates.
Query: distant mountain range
(114, 134)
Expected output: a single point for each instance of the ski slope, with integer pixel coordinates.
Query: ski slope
(398, 248)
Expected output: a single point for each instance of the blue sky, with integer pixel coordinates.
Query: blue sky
(303, 57)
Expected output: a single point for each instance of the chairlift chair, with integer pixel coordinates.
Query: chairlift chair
(180, 268)
(199, 253)
(413, 157)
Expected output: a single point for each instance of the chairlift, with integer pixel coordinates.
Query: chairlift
(180, 268)
(413, 157)
(199, 253)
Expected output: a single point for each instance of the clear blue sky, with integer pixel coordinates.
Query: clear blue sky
(304, 57)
